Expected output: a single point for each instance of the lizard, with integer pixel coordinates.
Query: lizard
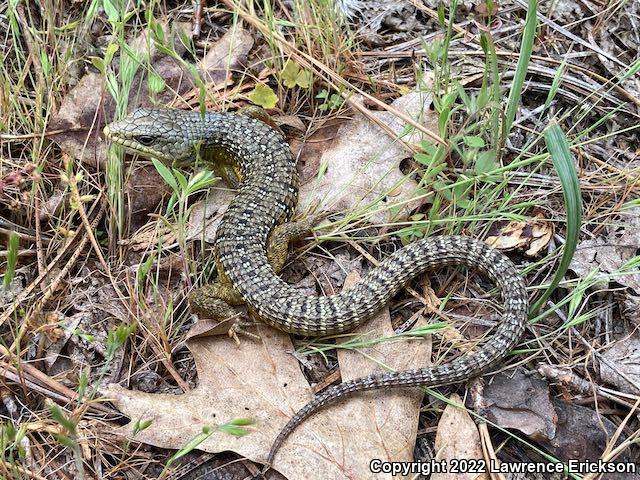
(253, 237)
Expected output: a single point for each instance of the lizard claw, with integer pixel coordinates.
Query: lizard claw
(238, 328)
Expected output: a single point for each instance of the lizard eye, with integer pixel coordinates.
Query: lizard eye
(146, 140)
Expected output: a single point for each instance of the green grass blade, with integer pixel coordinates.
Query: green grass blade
(555, 85)
(563, 162)
(12, 259)
(526, 48)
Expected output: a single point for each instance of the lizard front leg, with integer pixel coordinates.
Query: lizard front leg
(216, 300)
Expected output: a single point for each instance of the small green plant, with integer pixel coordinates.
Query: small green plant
(143, 272)
(182, 187)
(331, 101)
(526, 49)
(118, 85)
(456, 193)
(414, 232)
(87, 337)
(474, 125)
(236, 427)
(138, 426)
(69, 435)
(263, 96)
(292, 75)
(116, 339)
(83, 383)
(564, 164)
(11, 442)
(141, 425)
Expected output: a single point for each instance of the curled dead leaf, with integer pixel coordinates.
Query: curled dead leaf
(531, 236)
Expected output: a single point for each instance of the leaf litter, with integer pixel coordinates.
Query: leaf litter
(262, 380)
(609, 249)
(609, 252)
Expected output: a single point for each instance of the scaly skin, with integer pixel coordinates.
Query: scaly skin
(256, 218)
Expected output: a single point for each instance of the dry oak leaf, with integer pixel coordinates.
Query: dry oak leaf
(532, 235)
(620, 364)
(362, 167)
(226, 55)
(457, 438)
(262, 380)
(520, 401)
(363, 163)
(610, 252)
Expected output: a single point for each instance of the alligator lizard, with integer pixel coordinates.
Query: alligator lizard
(253, 236)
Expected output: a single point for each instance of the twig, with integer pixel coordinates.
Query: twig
(476, 390)
(63, 251)
(54, 388)
(564, 376)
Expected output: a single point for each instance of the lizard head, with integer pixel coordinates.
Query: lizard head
(156, 133)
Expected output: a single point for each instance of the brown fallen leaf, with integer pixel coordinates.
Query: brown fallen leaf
(610, 251)
(362, 164)
(76, 117)
(308, 150)
(521, 402)
(262, 380)
(226, 55)
(531, 236)
(457, 438)
(621, 364)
